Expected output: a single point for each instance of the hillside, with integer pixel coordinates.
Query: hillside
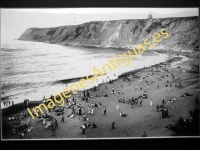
(183, 33)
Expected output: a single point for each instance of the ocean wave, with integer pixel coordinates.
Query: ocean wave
(71, 80)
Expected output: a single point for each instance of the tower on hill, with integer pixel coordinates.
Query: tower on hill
(150, 16)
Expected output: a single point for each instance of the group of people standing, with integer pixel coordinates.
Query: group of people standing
(86, 93)
(8, 103)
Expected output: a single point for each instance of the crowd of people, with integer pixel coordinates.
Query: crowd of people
(8, 103)
(17, 125)
(86, 112)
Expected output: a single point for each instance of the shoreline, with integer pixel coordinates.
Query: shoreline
(17, 105)
(75, 80)
(70, 81)
(73, 45)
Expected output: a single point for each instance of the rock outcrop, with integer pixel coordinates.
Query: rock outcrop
(183, 33)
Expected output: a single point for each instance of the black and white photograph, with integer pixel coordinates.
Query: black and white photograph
(99, 73)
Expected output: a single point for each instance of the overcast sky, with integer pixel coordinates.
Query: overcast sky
(15, 21)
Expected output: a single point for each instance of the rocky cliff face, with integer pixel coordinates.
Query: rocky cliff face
(183, 33)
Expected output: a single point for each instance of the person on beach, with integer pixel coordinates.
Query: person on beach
(93, 125)
(106, 95)
(157, 107)
(85, 118)
(113, 125)
(100, 104)
(12, 103)
(104, 112)
(92, 111)
(89, 111)
(163, 102)
(71, 115)
(63, 119)
(122, 114)
(92, 105)
(117, 107)
(163, 113)
(132, 104)
(83, 129)
(166, 113)
(86, 99)
(136, 101)
(84, 94)
(21, 135)
(80, 111)
(73, 110)
(88, 94)
(29, 123)
(44, 121)
(112, 90)
(53, 129)
(141, 103)
(44, 99)
(151, 102)
(74, 101)
(96, 105)
(132, 99)
(56, 123)
(144, 135)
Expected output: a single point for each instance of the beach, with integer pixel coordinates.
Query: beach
(140, 118)
(67, 66)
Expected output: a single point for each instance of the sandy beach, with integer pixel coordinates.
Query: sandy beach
(140, 118)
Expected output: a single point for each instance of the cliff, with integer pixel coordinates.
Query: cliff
(183, 33)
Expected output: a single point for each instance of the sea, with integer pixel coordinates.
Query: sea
(32, 70)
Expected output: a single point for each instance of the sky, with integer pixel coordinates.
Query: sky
(15, 21)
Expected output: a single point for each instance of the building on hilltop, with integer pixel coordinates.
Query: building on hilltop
(150, 16)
